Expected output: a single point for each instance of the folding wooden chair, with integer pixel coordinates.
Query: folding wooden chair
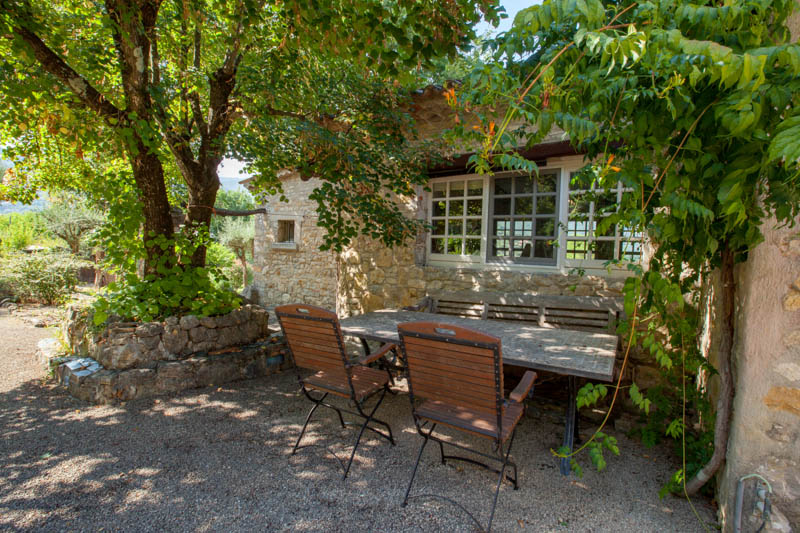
(455, 378)
(315, 342)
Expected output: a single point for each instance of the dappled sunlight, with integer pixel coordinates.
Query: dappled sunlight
(220, 459)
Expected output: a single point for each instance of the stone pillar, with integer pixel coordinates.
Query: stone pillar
(765, 429)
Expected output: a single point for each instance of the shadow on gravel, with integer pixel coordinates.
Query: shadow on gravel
(217, 459)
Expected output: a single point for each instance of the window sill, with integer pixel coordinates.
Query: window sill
(284, 246)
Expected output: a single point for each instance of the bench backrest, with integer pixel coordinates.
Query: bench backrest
(314, 338)
(588, 313)
(454, 365)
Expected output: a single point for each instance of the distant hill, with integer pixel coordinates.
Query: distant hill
(39, 204)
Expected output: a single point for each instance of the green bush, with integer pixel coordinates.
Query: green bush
(45, 278)
(174, 290)
(20, 230)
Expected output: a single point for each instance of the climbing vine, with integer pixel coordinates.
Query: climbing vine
(693, 108)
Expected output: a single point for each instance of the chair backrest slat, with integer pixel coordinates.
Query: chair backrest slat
(455, 365)
(314, 337)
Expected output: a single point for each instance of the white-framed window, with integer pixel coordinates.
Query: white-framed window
(286, 231)
(588, 239)
(518, 221)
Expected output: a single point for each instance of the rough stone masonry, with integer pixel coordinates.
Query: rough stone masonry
(129, 360)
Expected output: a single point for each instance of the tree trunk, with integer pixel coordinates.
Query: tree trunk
(726, 324)
(149, 176)
(202, 195)
(243, 260)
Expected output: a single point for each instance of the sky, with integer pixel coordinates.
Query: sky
(512, 6)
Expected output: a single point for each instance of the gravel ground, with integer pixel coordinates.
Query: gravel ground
(217, 459)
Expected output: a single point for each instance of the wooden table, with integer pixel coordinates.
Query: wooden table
(562, 351)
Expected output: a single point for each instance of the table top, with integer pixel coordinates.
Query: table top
(563, 351)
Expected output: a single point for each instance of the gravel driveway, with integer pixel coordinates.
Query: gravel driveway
(217, 459)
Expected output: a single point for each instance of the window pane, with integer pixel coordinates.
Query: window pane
(500, 248)
(456, 208)
(577, 229)
(437, 246)
(439, 189)
(630, 250)
(474, 208)
(577, 249)
(578, 207)
(545, 205)
(502, 186)
(472, 246)
(502, 206)
(455, 227)
(473, 227)
(604, 250)
(522, 248)
(454, 246)
(437, 227)
(501, 228)
(286, 231)
(545, 227)
(603, 229)
(439, 208)
(456, 188)
(523, 228)
(475, 188)
(605, 203)
(523, 184)
(523, 205)
(546, 183)
(543, 249)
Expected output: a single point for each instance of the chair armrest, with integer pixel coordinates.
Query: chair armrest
(524, 387)
(371, 358)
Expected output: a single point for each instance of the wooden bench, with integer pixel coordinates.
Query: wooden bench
(586, 313)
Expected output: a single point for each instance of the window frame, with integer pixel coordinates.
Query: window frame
(275, 222)
(490, 216)
(564, 166)
(618, 237)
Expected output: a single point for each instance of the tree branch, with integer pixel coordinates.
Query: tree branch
(52, 63)
(234, 213)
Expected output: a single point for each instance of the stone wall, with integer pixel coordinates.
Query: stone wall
(375, 277)
(293, 274)
(765, 429)
(126, 361)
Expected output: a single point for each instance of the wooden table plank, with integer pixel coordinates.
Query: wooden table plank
(563, 351)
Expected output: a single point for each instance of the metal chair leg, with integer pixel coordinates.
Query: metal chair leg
(500, 480)
(368, 419)
(308, 419)
(416, 465)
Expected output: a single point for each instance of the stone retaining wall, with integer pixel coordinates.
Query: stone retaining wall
(128, 360)
(87, 380)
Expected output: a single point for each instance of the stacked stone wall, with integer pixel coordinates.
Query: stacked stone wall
(126, 361)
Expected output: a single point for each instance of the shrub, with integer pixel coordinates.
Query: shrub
(44, 278)
(19, 230)
(175, 290)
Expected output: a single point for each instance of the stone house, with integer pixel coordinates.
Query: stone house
(509, 233)
(505, 232)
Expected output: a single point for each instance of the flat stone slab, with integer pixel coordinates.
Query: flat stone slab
(563, 351)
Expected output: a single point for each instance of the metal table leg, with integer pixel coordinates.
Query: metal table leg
(365, 345)
(571, 423)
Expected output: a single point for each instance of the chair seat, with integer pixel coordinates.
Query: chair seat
(465, 419)
(366, 381)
